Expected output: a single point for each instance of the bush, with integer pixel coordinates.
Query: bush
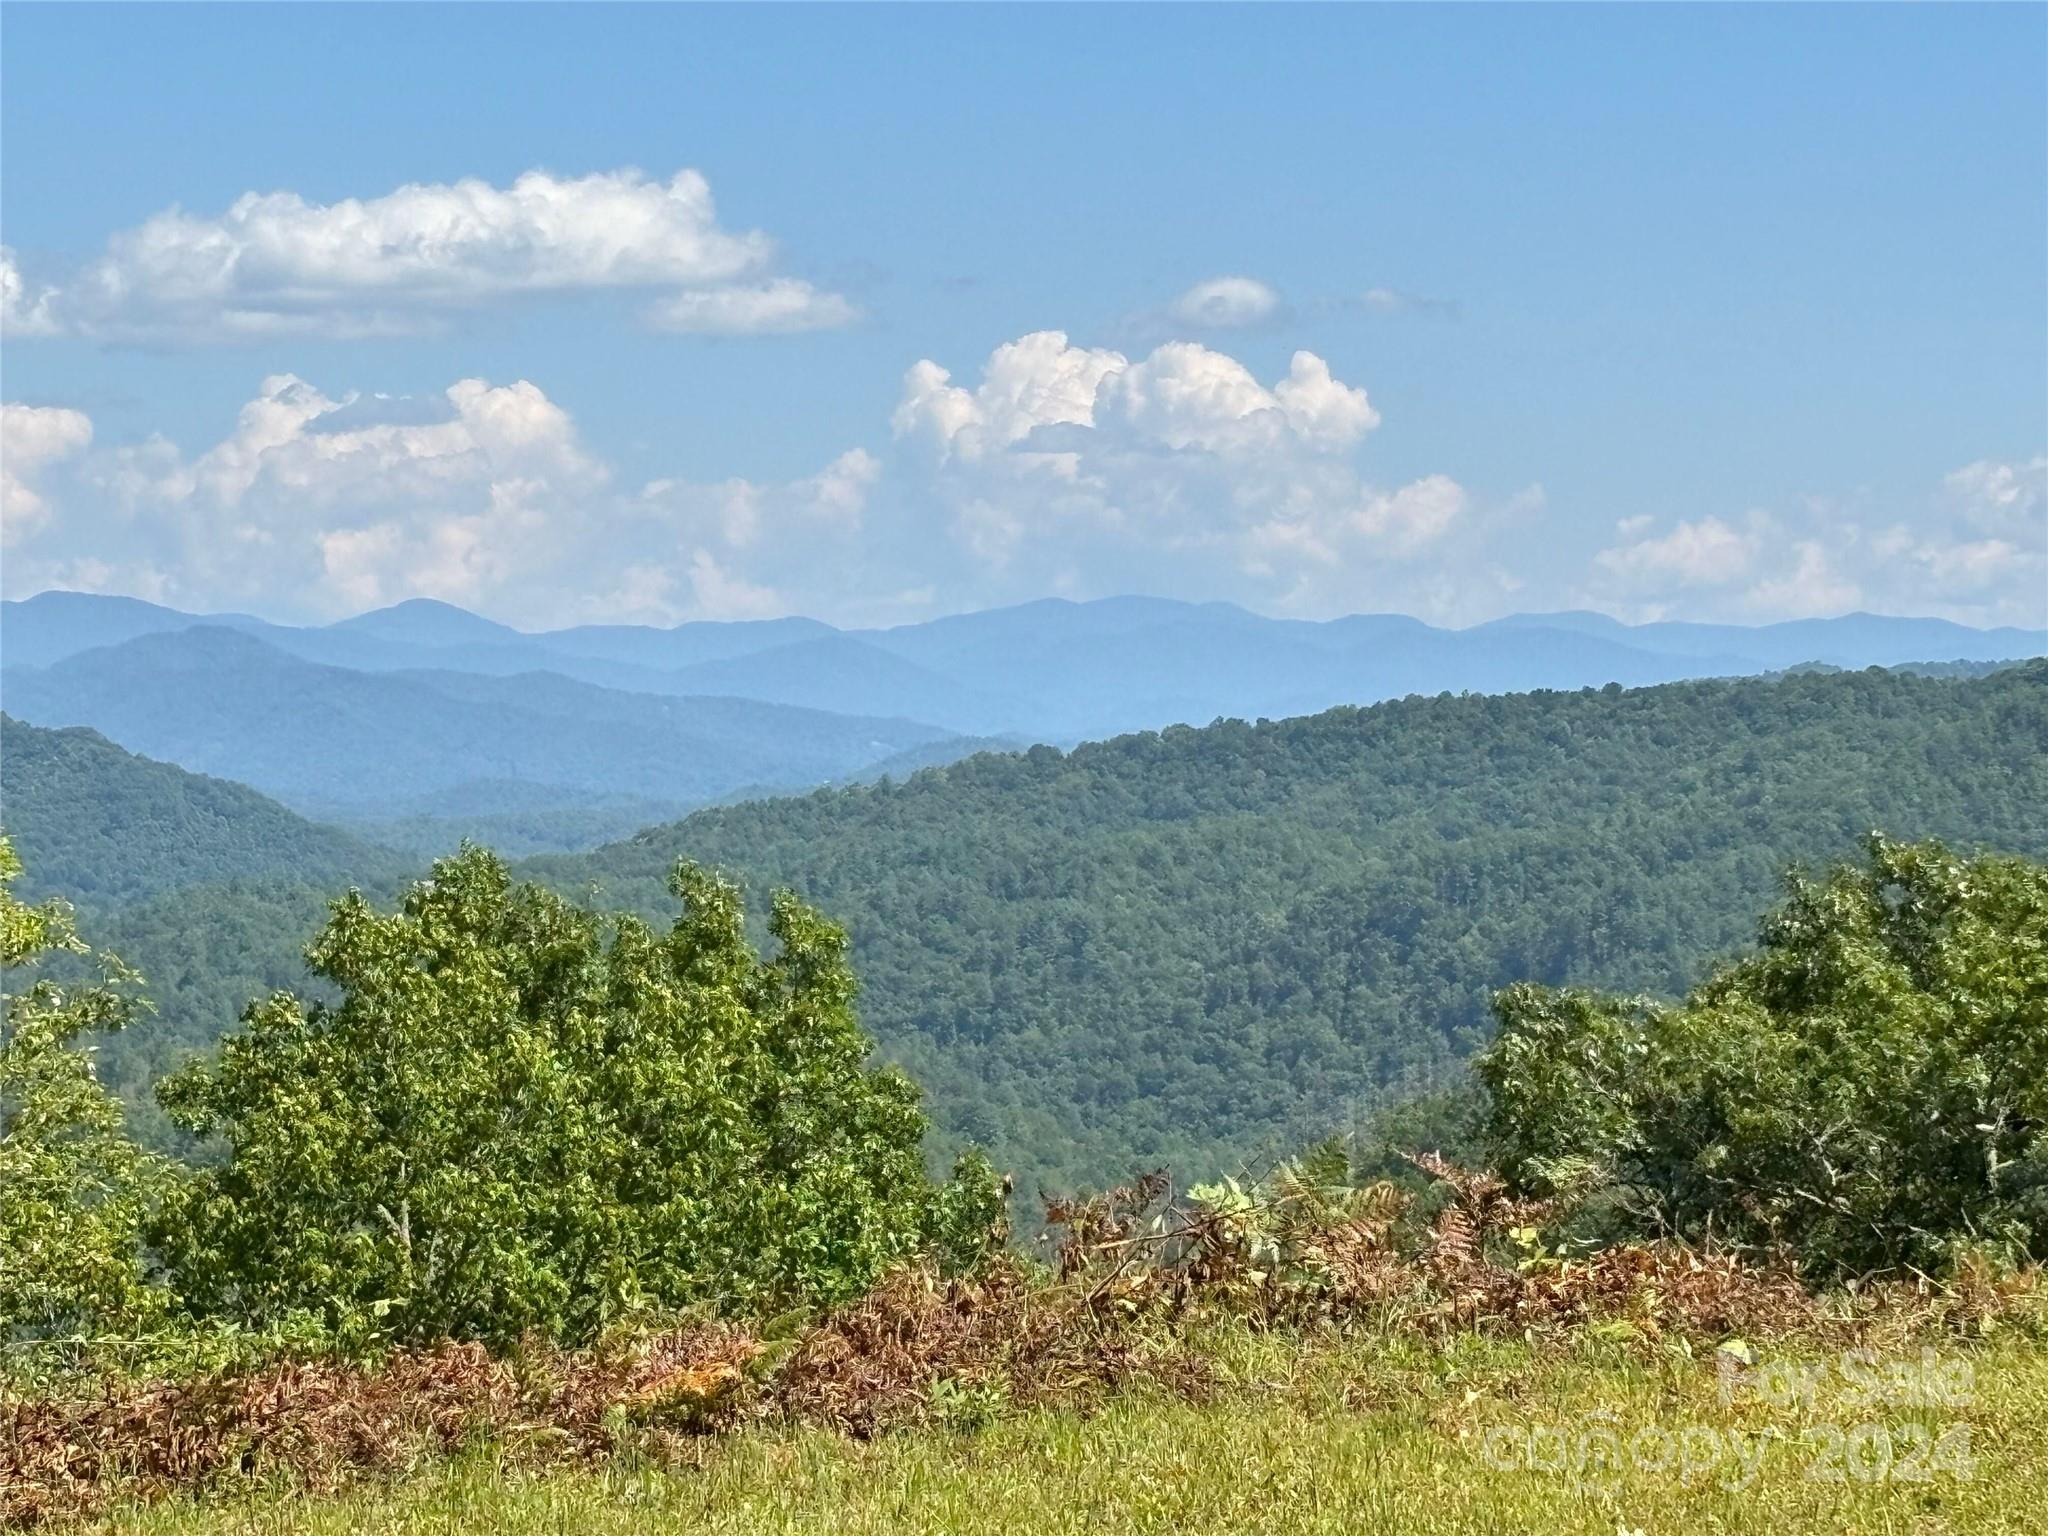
(1870, 1087)
(524, 1116)
(968, 1219)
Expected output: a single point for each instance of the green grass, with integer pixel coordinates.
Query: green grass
(1334, 1438)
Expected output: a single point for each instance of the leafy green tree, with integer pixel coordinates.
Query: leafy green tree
(522, 1115)
(1870, 1086)
(73, 1188)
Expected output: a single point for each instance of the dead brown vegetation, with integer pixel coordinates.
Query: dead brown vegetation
(1132, 1273)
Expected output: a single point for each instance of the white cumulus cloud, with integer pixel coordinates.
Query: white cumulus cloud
(319, 504)
(1974, 549)
(1186, 396)
(23, 311)
(1183, 396)
(1036, 381)
(1705, 553)
(275, 263)
(1051, 467)
(1077, 469)
(315, 504)
(31, 437)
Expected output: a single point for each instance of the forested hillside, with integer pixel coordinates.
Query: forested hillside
(1191, 946)
(1183, 947)
(209, 886)
(103, 828)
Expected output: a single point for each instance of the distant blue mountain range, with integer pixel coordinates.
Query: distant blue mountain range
(420, 756)
(428, 716)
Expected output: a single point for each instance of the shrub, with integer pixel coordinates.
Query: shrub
(1870, 1087)
(523, 1116)
(968, 1220)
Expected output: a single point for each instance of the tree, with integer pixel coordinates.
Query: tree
(524, 1115)
(73, 1188)
(1870, 1086)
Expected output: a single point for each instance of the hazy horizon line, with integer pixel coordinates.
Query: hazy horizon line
(1048, 600)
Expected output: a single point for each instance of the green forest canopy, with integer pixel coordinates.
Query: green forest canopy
(1198, 946)
(103, 827)
(1195, 946)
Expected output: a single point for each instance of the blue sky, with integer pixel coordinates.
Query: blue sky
(1734, 313)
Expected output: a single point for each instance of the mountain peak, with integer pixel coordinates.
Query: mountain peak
(427, 621)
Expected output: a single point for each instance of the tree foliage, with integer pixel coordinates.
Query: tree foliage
(1869, 1087)
(522, 1115)
(73, 1189)
(1200, 947)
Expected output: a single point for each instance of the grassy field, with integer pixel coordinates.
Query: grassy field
(1482, 1437)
